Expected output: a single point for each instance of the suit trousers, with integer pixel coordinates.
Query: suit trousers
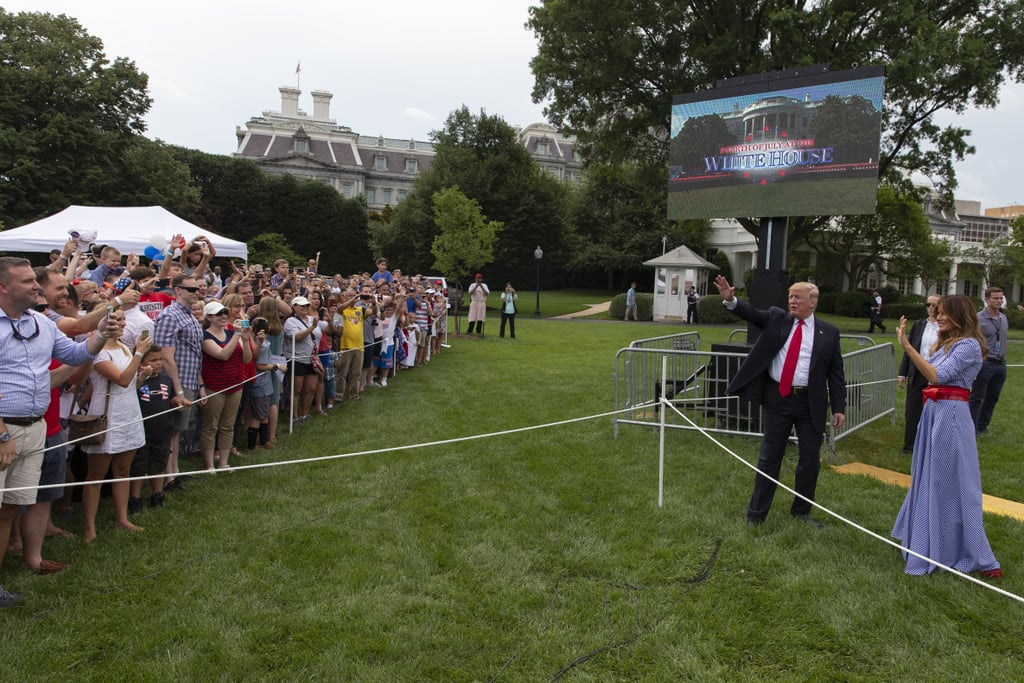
(781, 415)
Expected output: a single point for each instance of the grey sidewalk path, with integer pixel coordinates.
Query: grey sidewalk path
(590, 310)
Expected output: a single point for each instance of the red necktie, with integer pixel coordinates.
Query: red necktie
(789, 365)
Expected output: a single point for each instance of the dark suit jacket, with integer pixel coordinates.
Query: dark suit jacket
(826, 383)
(915, 380)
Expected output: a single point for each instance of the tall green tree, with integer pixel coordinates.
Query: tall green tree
(618, 220)
(861, 242)
(483, 156)
(466, 239)
(930, 261)
(609, 68)
(68, 116)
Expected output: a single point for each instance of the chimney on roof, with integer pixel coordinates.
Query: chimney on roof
(289, 100)
(321, 105)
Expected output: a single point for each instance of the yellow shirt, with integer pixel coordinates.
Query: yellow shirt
(352, 332)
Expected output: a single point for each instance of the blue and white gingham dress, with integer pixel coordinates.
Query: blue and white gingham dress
(941, 517)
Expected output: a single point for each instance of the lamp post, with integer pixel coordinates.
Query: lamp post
(538, 254)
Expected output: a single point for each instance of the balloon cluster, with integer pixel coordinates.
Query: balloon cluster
(159, 247)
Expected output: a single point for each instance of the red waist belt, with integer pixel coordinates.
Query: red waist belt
(940, 392)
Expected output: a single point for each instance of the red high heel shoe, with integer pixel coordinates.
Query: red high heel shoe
(996, 573)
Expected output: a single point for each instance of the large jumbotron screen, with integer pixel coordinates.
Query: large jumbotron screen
(800, 146)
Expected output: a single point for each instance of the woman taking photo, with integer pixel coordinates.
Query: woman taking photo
(114, 371)
(224, 352)
(941, 517)
(301, 338)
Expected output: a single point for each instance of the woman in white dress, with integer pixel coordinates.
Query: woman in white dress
(115, 368)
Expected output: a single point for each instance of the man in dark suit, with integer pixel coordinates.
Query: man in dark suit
(922, 336)
(795, 371)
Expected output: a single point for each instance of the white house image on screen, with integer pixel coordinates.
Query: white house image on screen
(771, 119)
(675, 271)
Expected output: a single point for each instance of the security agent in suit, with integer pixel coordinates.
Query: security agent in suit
(817, 383)
(922, 336)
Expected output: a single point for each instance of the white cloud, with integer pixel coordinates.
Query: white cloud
(419, 114)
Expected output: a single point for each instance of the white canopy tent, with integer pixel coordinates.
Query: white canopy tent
(130, 229)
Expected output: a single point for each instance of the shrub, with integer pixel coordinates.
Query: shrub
(913, 311)
(1016, 318)
(890, 295)
(853, 304)
(644, 306)
(827, 302)
(914, 299)
(711, 310)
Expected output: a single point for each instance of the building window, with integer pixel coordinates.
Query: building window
(410, 165)
(402, 194)
(387, 196)
(301, 146)
(346, 190)
(371, 195)
(542, 147)
(380, 141)
(379, 164)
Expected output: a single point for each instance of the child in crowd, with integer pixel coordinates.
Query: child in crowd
(262, 388)
(155, 392)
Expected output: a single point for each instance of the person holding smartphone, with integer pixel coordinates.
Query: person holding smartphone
(508, 310)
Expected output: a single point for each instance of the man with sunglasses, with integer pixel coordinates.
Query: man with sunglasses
(922, 336)
(180, 338)
(28, 342)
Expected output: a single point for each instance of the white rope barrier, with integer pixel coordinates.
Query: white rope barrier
(842, 519)
(336, 456)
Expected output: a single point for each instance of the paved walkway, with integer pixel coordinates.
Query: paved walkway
(590, 310)
(998, 506)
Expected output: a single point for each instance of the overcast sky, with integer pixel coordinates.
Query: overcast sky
(395, 67)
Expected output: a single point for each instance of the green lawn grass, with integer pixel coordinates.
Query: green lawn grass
(539, 555)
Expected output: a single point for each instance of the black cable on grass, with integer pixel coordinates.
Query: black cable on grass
(690, 584)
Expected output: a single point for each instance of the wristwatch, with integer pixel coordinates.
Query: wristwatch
(5, 437)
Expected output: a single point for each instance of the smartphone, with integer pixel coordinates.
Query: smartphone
(242, 324)
(144, 335)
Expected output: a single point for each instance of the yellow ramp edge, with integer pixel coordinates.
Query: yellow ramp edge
(997, 506)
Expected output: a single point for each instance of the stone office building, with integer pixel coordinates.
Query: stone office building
(381, 169)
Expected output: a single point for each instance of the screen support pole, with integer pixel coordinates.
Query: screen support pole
(771, 278)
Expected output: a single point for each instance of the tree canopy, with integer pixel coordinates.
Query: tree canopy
(68, 119)
(609, 68)
(466, 239)
(482, 156)
(860, 242)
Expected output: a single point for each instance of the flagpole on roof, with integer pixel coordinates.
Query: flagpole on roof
(298, 75)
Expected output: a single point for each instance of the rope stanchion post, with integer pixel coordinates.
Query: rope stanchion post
(661, 436)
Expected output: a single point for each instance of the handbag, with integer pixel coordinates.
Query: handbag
(317, 364)
(89, 430)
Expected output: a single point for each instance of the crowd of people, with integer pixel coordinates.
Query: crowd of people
(174, 353)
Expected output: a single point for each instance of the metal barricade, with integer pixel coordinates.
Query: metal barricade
(682, 341)
(695, 382)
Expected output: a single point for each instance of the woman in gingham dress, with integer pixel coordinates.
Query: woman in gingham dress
(941, 517)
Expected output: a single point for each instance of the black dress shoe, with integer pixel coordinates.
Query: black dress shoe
(810, 520)
(907, 451)
(751, 521)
